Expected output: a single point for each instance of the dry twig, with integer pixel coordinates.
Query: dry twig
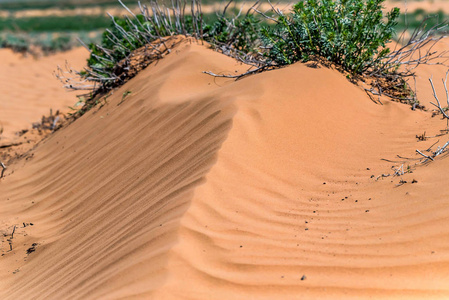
(399, 171)
(426, 156)
(3, 169)
(440, 108)
(439, 151)
(416, 50)
(237, 77)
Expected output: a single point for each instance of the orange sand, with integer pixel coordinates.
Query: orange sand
(29, 89)
(197, 187)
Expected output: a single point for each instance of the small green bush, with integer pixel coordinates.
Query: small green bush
(125, 35)
(242, 34)
(352, 34)
(349, 33)
(134, 41)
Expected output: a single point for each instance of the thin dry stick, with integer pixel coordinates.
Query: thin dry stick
(428, 149)
(399, 171)
(237, 77)
(3, 169)
(417, 50)
(434, 154)
(226, 8)
(426, 156)
(441, 150)
(442, 110)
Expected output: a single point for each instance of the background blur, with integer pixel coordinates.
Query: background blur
(41, 27)
(47, 26)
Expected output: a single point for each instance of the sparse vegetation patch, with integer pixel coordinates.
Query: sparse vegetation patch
(134, 41)
(351, 35)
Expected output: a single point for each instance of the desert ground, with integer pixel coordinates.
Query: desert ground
(29, 89)
(203, 188)
(279, 185)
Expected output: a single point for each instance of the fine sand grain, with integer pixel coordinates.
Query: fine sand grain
(194, 187)
(28, 88)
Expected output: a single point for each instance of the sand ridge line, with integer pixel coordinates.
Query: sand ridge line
(197, 188)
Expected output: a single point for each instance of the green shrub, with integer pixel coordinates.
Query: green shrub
(132, 42)
(126, 34)
(352, 34)
(349, 33)
(241, 34)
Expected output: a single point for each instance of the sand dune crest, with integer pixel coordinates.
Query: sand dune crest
(204, 188)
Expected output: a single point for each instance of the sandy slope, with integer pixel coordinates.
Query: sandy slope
(199, 188)
(437, 71)
(28, 88)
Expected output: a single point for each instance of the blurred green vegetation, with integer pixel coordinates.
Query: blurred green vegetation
(52, 33)
(55, 23)
(47, 42)
(58, 33)
(413, 20)
(16, 5)
(68, 23)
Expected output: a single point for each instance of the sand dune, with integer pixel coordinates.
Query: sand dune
(194, 187)
(437, 71)
(29, 89)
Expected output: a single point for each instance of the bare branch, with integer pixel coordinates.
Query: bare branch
(426, 156)
(237, 77)
(3, 169)
(399, 171)
(441, 109)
